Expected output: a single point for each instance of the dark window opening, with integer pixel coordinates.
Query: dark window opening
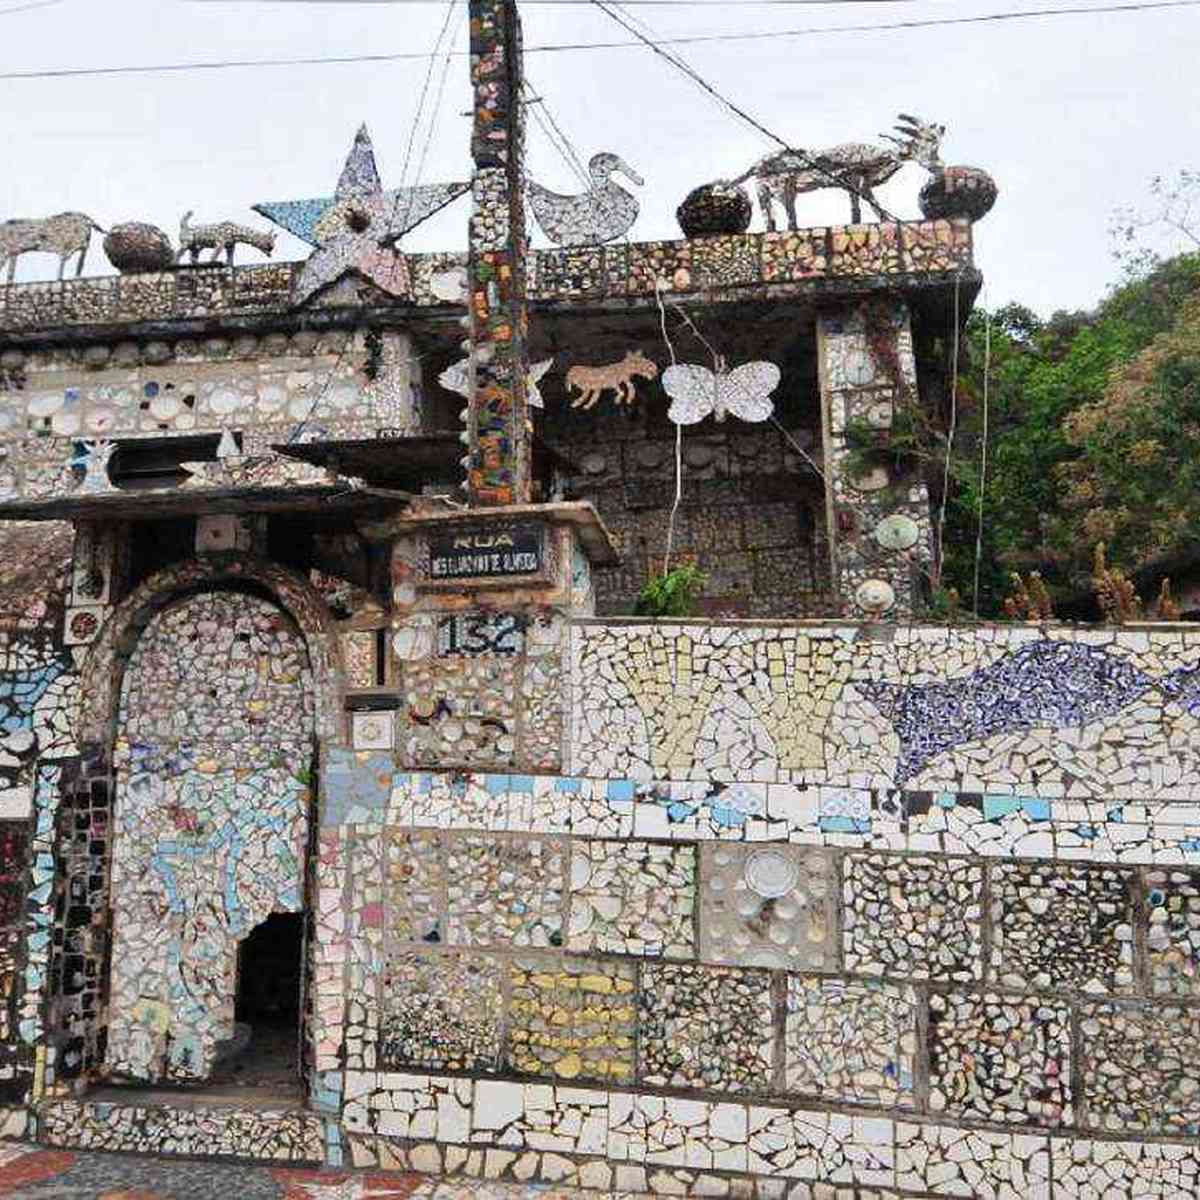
(139, 464)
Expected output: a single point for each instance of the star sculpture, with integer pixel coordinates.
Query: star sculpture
(358, 228)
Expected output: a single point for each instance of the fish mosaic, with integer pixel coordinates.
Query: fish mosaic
(1043, 684)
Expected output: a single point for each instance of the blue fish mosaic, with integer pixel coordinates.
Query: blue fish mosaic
(1046, 684)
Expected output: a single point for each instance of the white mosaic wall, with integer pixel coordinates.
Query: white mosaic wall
(1066, 714)
(266, 391)
(211, 820)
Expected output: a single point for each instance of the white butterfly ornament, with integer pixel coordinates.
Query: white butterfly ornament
(696, 392)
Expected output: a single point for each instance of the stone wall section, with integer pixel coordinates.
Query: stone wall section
(879, 530)
(804, 259)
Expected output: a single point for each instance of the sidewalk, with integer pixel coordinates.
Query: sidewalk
(30, 1173)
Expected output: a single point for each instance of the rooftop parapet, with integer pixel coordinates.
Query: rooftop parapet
(840, 258)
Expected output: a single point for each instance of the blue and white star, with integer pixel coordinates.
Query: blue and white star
(358, 228)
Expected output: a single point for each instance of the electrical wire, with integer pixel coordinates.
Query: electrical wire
(298, 432)
(662, 321)
(20, 8)
(642, 3)
(561, 47)
(416, 125)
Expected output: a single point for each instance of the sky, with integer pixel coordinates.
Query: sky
(1072, 115)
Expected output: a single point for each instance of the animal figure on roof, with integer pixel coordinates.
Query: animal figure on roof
(856, 167)
(604, 212)
(224, 235)
(66, 234)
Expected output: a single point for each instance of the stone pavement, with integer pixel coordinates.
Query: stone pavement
(30, 1173)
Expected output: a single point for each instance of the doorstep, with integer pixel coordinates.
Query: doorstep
(221, 1123)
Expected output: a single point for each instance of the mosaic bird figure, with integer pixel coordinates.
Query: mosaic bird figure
(604, 212)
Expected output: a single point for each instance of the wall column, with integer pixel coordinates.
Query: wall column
(498, 470)
(880, 533)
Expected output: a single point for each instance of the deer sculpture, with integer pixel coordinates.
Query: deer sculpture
(223, 236)
(856, 167)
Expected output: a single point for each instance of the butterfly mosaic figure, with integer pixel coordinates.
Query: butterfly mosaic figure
(696, 392)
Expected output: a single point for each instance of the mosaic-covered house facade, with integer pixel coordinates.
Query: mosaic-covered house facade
(350, 816)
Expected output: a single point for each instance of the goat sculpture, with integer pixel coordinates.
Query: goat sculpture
(66, 234)
(225, 235)
(857, 167)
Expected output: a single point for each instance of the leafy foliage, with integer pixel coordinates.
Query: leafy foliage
(673, 594)
(1134, 480)
(1081, 407)
(1028, 600)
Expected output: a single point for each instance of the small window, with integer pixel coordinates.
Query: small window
(139, 464)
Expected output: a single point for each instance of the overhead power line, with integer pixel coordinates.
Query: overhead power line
(528, 3)
(20, 8)
(552, 48)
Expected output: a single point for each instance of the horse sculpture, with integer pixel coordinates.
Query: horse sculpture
(65, 234)
(856, 167)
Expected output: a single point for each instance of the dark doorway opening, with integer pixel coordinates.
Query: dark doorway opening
(265, 1051)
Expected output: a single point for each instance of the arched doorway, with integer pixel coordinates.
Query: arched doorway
(212, 761)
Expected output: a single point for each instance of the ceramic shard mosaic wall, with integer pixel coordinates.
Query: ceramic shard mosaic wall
(1072, 715)
(799, 257)
(224, 401)
(37, 691)
(212, 769)
(878, 515)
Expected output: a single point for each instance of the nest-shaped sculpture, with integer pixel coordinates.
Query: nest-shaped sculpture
(714, 209)
(136, 246)
(958, 192)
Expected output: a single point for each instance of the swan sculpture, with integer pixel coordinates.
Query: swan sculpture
(601, 214)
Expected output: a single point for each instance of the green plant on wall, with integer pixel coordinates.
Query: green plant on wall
(673, 594)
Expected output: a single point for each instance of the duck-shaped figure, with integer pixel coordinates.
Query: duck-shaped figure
(602, 213)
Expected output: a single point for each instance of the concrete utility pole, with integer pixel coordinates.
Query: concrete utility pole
(498, 471)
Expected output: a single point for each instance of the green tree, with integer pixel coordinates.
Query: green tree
(1038, 374)
(1133, 478)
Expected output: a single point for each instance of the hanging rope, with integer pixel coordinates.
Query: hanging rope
(662, 322)
(950, 435)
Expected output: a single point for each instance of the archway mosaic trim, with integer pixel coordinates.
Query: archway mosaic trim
(101, 670)
(212, 768)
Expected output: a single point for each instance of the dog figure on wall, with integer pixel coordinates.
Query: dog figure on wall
(616, 377)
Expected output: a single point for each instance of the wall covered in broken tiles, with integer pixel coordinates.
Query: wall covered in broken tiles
(800, 258)
(698, 908)
(902, 908)
(212, 763)
(37, 687)
(97, 418)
